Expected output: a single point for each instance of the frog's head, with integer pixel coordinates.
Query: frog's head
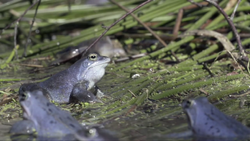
(33, 100)
(195, 110)
(92, 68)
(26, 102)
(94, 60)
(31, 87)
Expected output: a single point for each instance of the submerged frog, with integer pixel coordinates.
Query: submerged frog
(105, 47)
(207, 122)
(49, 121)
(76, 81)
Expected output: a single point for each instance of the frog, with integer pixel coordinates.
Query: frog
(76, 82)
(105, 47)
(50, 122)
(208, 122)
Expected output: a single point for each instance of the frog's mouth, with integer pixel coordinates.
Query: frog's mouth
(106, 61)
(98, 64)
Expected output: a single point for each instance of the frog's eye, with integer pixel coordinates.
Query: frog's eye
(92, 57)
(23, 96)
(186, 103)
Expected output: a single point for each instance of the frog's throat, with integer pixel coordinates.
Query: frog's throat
(26, 112)
(191, 122)
(93, 65)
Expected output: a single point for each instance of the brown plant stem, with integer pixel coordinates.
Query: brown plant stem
(19, 17)
(191, 1)
(107, 28)
(33, 20)
(242, 55)
(242, 52)
(147, 27)
(15, 37)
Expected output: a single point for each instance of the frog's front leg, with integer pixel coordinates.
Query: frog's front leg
(80, 93)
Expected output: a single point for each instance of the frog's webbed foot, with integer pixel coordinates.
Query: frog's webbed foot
(99, 93)
(80, 93)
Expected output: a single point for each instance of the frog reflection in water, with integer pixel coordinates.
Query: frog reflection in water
(208, 122)
(76, 81)
(50, 122)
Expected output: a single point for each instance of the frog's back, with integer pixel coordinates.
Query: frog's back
(212, 122)
(60, 85)
(47, 116)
